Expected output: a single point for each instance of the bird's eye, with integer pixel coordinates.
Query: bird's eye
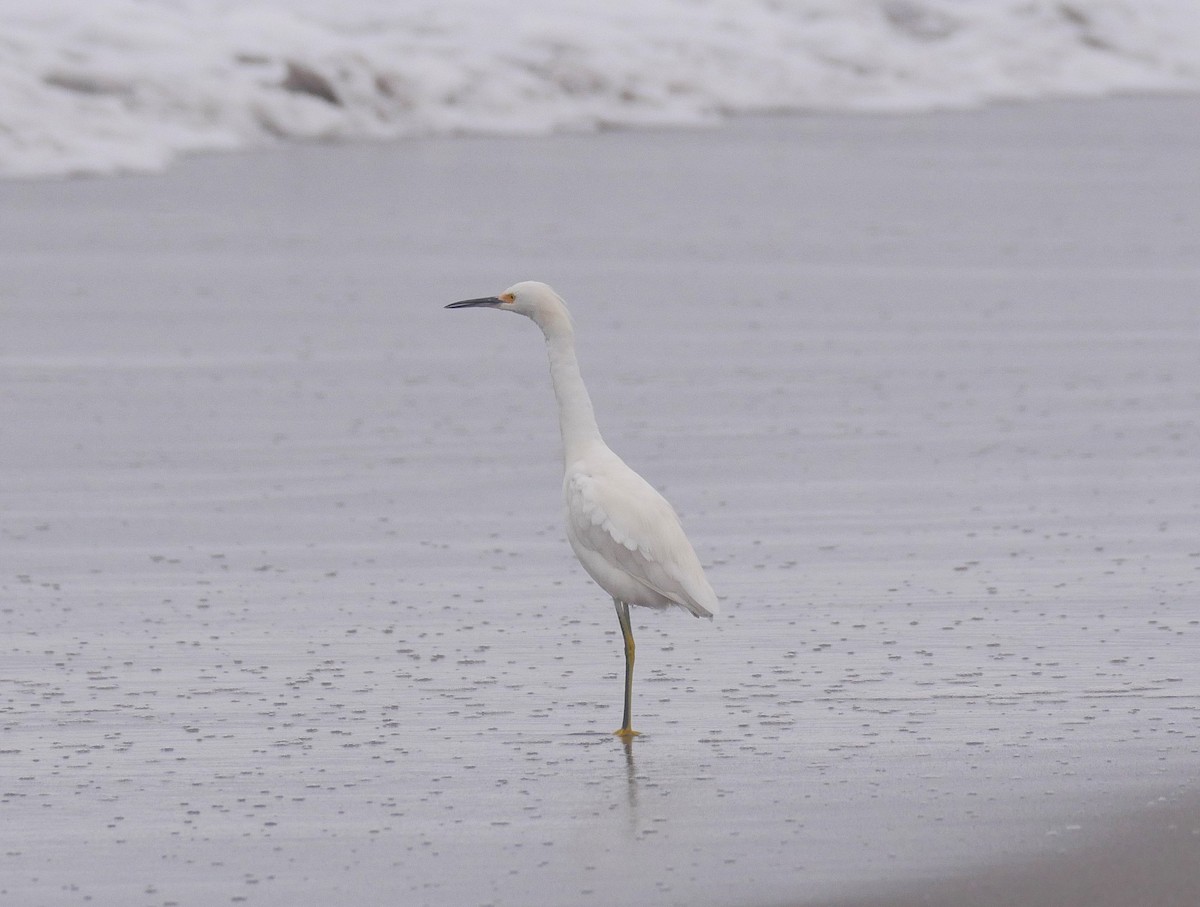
(508, 297)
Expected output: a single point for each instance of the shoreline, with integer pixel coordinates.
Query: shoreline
(722, 122)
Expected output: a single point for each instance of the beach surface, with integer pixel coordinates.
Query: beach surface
(288, 616)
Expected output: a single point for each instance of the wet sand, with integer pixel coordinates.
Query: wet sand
(288, 612)
(1149, 856)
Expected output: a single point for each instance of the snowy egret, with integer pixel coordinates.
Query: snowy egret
(625, 534)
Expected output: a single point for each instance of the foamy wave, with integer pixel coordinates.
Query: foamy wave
(117, 85)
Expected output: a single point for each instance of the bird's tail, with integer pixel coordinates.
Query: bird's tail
(701, 602)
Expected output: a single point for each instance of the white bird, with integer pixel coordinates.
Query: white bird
(625, 534)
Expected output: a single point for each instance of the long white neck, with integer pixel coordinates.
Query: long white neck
(576, 418)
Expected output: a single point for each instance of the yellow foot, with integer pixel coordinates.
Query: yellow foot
(627, 732)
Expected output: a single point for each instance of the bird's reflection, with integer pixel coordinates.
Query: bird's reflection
(631, 780)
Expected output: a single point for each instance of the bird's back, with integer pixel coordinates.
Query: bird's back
(628, 537)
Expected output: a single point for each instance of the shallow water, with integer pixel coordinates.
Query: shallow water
(288, 614)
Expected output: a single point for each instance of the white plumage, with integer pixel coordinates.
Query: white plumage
(625, 534)
(628, 537)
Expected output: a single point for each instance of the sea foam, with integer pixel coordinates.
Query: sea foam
(124, 85)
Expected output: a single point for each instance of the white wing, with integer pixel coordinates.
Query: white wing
(629, 527)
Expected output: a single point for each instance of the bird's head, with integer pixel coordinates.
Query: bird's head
(530, 298)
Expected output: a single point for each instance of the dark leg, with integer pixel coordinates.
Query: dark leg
(627, 632)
